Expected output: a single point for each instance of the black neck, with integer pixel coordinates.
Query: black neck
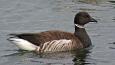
(83, 36)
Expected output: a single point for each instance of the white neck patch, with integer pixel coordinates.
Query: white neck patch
(79, 26)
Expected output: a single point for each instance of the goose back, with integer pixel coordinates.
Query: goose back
(40, 38)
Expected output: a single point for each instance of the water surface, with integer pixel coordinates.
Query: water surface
(21, 16)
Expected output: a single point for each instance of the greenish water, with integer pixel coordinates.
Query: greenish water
(19, 16)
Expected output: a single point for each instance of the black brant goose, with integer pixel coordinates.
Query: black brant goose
(53, 41)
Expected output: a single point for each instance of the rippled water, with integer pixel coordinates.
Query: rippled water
(17, 16)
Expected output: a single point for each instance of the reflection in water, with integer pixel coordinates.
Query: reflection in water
(77, 57)
(18, 57)
(18, 53)
(80, 57)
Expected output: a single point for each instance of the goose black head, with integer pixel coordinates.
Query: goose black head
(83, 18)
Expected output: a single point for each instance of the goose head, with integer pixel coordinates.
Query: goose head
(83, 18)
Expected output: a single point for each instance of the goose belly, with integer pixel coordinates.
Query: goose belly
(57, 45)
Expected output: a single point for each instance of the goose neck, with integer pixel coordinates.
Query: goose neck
(83, 36)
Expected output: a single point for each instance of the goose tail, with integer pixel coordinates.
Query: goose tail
(21, 43)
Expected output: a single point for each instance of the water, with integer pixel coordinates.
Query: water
(17, 16)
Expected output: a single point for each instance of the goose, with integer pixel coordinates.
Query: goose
(55, 40)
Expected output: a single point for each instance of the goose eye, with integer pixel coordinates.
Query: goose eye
(87, 16)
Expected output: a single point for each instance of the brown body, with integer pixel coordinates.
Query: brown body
(40, 38)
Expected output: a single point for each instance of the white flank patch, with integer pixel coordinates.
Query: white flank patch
(23, 44)
(55, 45)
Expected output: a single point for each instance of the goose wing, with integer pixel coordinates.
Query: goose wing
(41, 38)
